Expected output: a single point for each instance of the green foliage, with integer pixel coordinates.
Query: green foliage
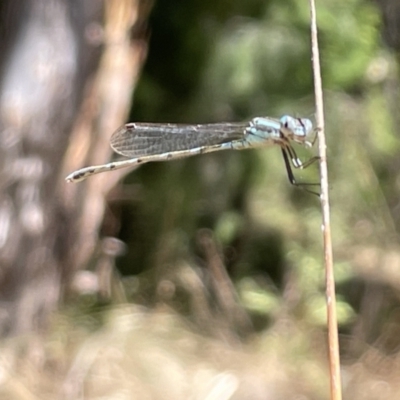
(349, 39)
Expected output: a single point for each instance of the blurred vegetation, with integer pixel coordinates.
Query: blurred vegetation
(232, 60)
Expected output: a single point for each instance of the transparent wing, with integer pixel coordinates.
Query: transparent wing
(145, 139)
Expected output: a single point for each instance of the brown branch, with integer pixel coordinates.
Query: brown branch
(105, 109)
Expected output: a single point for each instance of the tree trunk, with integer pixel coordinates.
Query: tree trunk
(67, 70)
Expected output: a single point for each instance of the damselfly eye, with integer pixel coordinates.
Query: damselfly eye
(285, 121)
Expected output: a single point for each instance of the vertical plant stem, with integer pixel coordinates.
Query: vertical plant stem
(333, 341)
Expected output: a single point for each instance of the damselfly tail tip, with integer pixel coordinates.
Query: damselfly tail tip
(70, 178)
(75, 177)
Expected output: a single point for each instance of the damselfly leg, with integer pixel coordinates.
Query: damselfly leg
(290, 158)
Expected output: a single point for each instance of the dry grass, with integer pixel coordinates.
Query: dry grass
(142, 354)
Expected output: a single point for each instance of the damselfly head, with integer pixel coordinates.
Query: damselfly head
(297, 129)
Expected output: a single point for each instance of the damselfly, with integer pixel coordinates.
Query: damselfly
(146, 142)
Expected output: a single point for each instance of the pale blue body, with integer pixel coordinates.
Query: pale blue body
(146, 142)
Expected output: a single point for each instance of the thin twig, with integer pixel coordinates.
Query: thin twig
(333, 341)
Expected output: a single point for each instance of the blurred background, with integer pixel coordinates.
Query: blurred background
(198, 278)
